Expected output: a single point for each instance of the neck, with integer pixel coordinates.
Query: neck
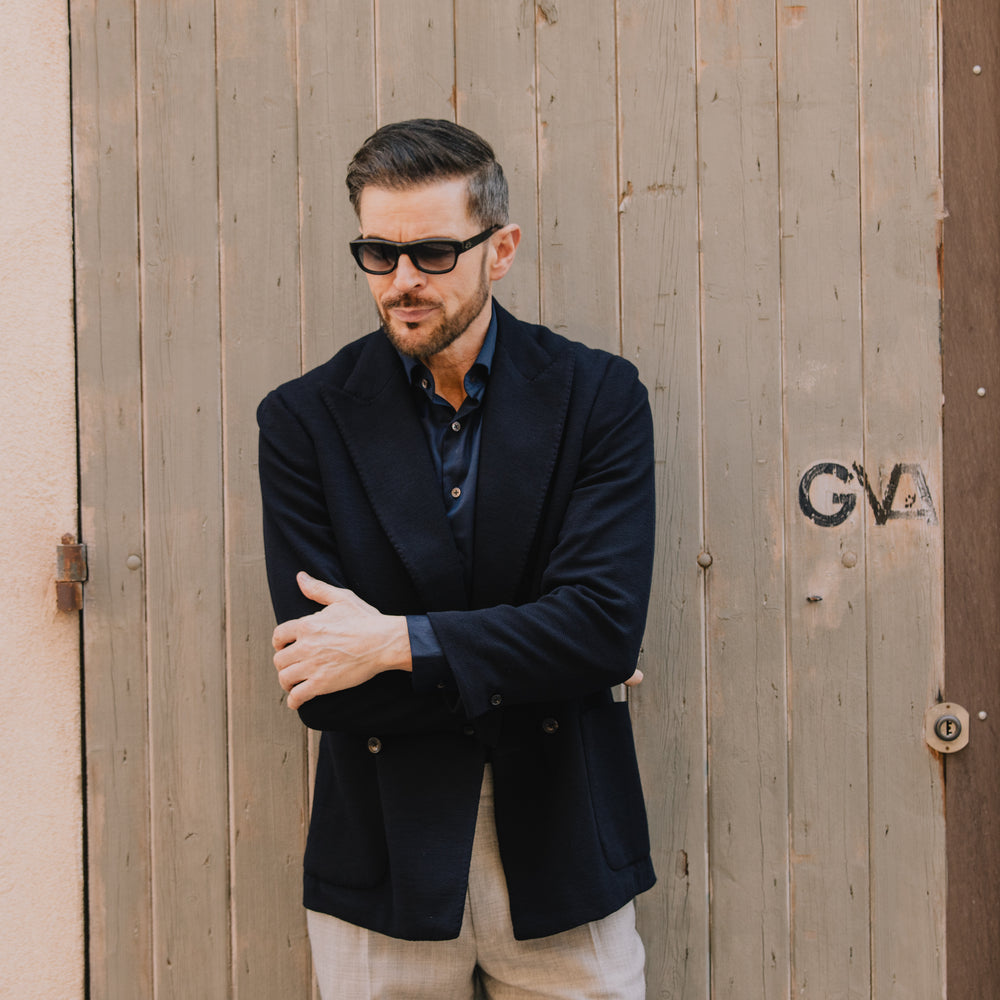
(450, 366)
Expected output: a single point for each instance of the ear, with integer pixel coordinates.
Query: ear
(503, 246)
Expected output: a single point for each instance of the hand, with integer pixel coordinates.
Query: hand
(635, 679)
(342, 645)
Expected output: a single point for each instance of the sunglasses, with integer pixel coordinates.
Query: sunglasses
(434, 256)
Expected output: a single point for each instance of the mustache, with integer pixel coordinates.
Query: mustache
(407, 301)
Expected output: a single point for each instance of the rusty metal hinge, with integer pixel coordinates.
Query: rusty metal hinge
(71, 573)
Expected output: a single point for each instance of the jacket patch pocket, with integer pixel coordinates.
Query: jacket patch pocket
(615, 788)
(346, 845)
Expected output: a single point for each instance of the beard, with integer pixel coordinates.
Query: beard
(449, 328)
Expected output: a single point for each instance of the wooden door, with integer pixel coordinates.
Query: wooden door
(971, 338)
(196, 777)
(740, 198)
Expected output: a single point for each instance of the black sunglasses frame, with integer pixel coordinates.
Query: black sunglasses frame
(412, 248)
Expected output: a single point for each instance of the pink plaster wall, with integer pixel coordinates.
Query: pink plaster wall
(41, 883)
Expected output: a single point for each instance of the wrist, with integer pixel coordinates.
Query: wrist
(398, 654)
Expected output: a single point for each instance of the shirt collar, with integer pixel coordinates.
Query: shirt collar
(477, 375)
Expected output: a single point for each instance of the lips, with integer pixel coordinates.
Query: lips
(408, 310)
(411, 315)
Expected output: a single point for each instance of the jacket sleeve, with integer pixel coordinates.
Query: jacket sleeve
(583, 632)
(298, 535)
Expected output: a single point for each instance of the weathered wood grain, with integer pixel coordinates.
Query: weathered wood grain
(971, 346)
(744, 517)
(495, 96)
(178, 249)
(658, 212)
(336, 113)
(822, 374)
(902, 379)
(578, 171)
(739, 198)
(111, 501)
(415, 59)
(258, 209)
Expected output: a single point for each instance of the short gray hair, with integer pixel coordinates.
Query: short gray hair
(424, 150)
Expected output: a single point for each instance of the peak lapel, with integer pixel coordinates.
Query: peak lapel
(378, 420)
(523, 420)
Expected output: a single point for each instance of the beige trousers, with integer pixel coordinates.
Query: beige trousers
(602, 960)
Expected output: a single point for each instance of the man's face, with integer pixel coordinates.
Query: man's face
(423, 314)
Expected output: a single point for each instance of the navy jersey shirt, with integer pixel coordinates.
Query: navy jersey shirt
(454, 439)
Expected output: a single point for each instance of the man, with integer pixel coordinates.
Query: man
(458, 521)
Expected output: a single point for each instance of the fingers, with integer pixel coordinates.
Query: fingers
(284, 635)
(295, 682)
(635, 679)
(298, 695)
(287, 678)
(285, 656)
(316, 590)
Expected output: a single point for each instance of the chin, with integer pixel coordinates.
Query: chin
(416, 341)
(407, 340)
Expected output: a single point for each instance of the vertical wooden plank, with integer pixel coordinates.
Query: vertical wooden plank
(971, 121)
(741, 331)
(660, 333)
(336, 74)
(258, 213)
(821, 305)
(336, 102)
(495, 96)
(415, 52)
(184, 544)
(577, 164)
(902, 377)
(111, 503)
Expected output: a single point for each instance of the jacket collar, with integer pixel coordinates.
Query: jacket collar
(523, 418)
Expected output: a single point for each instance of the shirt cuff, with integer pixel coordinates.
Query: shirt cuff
(430, 668)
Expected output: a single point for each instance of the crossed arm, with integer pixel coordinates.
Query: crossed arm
(342, 645)
(345, 664)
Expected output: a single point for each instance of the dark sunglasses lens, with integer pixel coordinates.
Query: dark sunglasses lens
(376, 258)
(434, 258)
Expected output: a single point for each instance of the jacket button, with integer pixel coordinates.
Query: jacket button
(550, 725)
(496, 700)
(469, 730)
(374, 744)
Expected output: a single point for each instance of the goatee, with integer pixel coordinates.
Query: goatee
(440, 337)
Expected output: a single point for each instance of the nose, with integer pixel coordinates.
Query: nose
(406, 276)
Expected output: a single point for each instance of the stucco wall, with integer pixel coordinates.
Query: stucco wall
(41, 885)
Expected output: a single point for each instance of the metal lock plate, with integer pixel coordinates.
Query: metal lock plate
(946, 727)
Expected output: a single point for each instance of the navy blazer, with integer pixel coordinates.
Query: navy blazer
(563, 547)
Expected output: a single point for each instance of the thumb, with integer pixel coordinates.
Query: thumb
(316, 590)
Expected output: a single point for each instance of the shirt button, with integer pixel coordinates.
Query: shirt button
(374, 744)
(456, 426)
(496, 700)
(550, 725)
(456, 492)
